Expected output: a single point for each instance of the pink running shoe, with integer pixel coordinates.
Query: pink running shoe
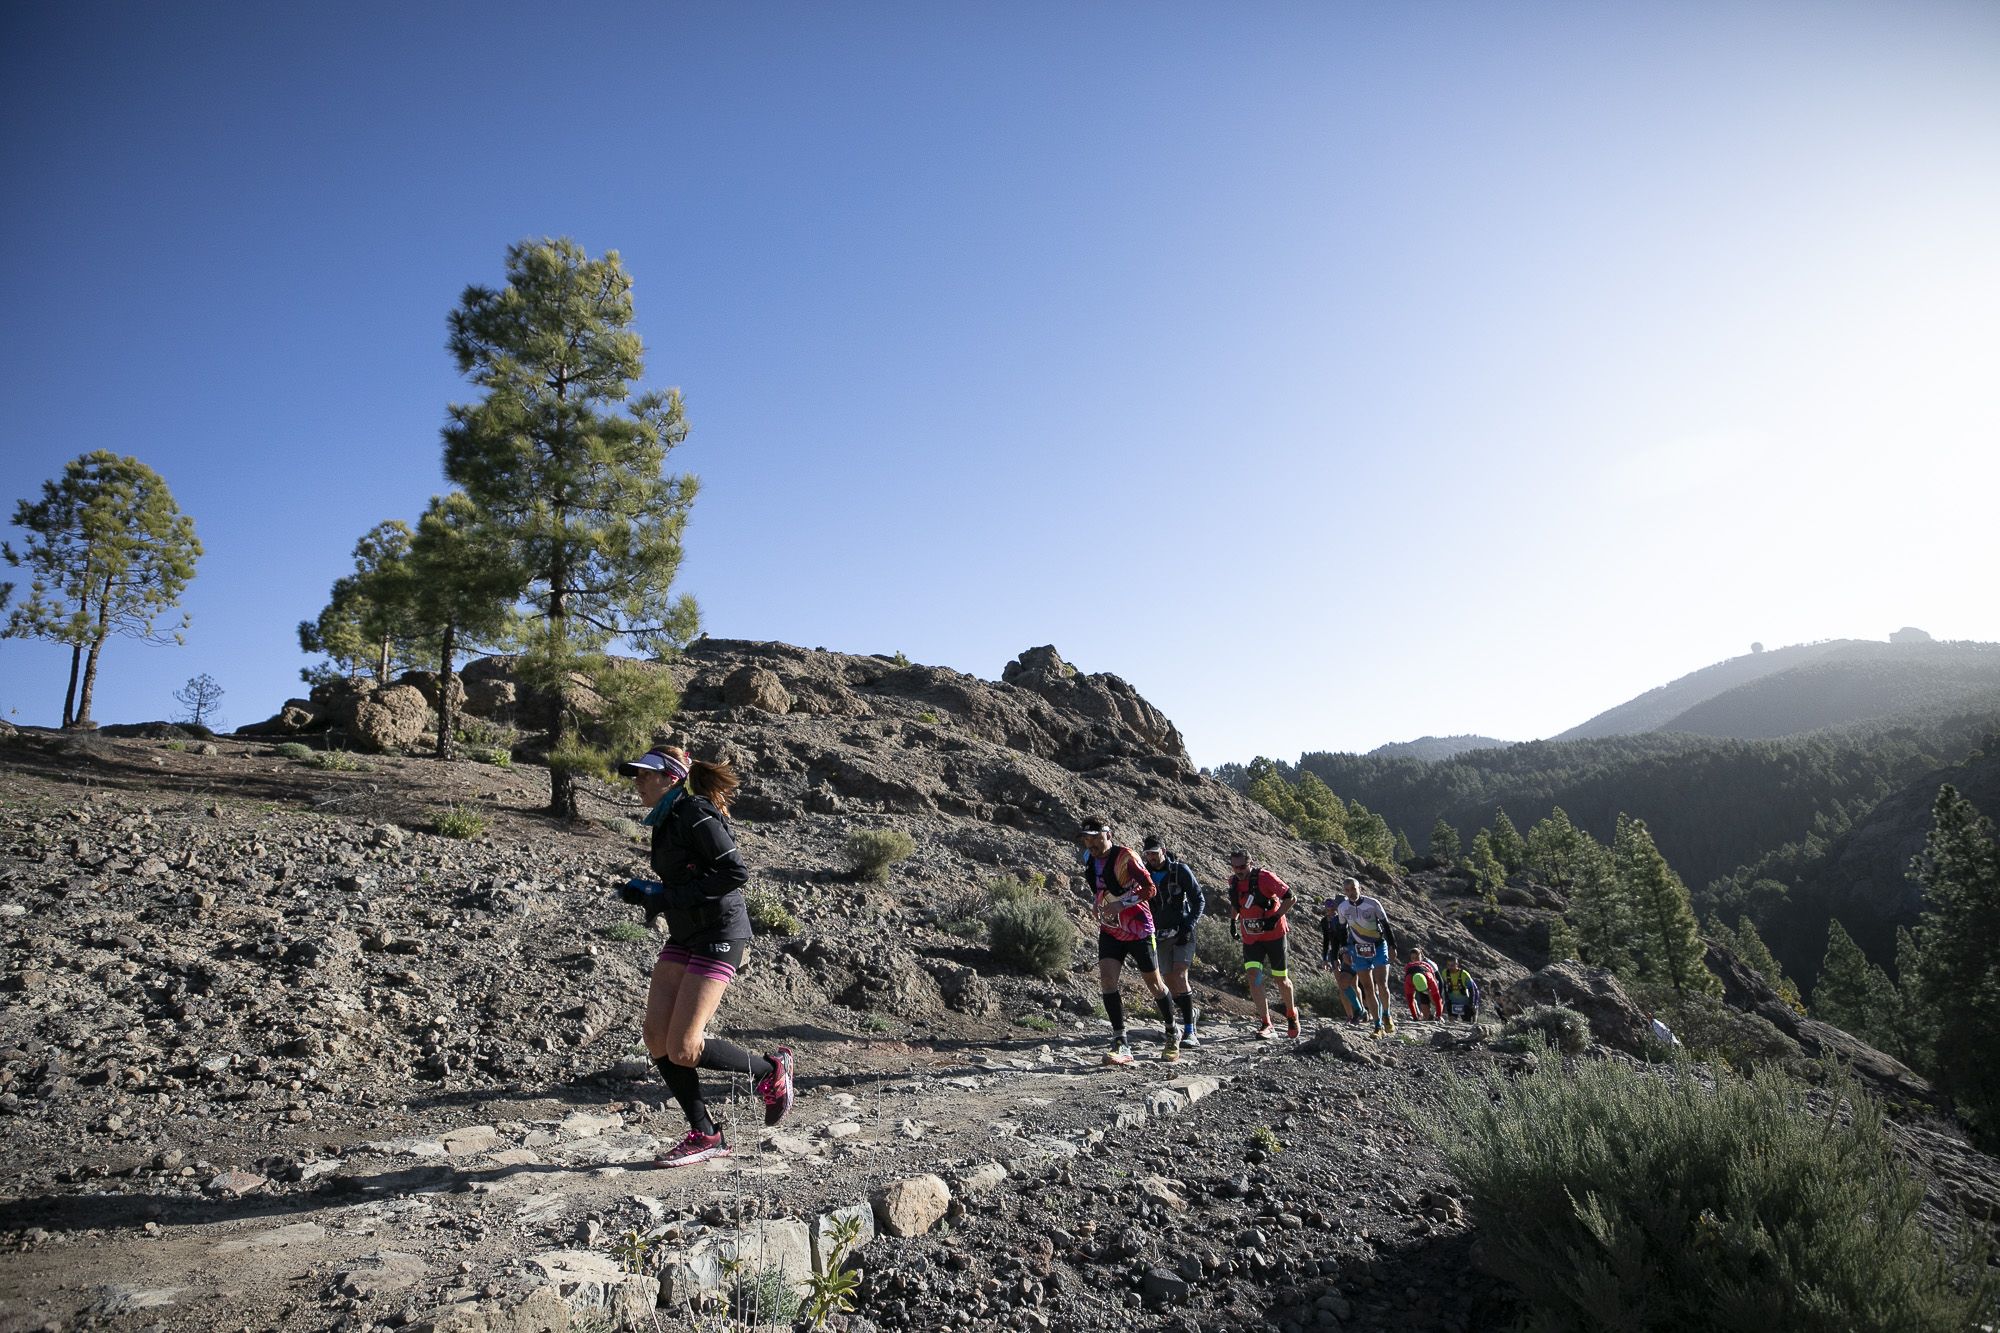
(776, 1087)
(694, 1148)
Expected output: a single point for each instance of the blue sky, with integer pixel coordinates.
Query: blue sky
(1336, 374)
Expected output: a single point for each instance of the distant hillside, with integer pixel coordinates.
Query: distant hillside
(1863, 682)
(1808, 687)
(1859, 874)
(1655, 708)
(1436, 747)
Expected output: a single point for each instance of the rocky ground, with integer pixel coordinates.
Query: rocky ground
(276, 1054)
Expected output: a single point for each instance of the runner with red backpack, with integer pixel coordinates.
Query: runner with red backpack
(1422, 989)
(1259, 905)
(1121, 890)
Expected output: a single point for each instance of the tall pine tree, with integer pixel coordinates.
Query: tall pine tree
(1957, 947)
(1508, 848)
(462, 588)
(568, 465)
(1853, 993)
(1444, 844)
(108, 553)
(1668, 938)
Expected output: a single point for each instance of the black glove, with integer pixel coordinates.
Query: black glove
(1182, 936)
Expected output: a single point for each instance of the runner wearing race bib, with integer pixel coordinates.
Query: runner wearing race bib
(1259, 903)
(1120, 891)
(1371, 937)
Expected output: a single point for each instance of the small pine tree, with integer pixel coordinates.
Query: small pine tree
(1562, 940)
(1485, 866)
(1507, 845)
(1444, 845)
(1669, 939)
(1852, 993)
(199, 697)
(1406, 855)
(1748, 945)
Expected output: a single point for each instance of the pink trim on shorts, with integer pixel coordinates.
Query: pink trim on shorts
(702, 967)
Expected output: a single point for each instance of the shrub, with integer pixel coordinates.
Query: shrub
(573, 756)
(337, 761)
(767, 915)
(1037, 1022)
(499, 756)
(1214, 945)
(1712, 1030)
(627, 932)
(625, 828)
(1016, 888)
(1034, 936)
(1319, 992)
(294, 750)
(1266, 1138)
(928, 716)
(874, 850)
(1617, 1197)
(476, 733)
(461, 821)
(1564, 1029)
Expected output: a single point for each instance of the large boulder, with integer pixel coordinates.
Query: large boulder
(296, 717)
(490, 697)
(754, 687)
(912, 1207)
(390, 719)
(426, 682)
(1592, 991)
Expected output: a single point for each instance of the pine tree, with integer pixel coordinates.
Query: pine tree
(1485, 866)
(462, 591)
(1307, 808)
(1444, 844)
(1749, 946)
(1852, 993)
(1368, 833)
(1557, 851)
(1507, 844)
(1604, 919)
(109, 553)
(199, 696)
(1406, 855)
(1957, 949)
(1669, 947)
(1562, 940)
(366, 623)
(568, 466)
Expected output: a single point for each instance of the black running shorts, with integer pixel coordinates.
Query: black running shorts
(1266, 954)
(1139, 951)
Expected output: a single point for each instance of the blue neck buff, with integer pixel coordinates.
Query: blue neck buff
(659, 812)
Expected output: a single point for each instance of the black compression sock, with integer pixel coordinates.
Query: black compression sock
(685, 1084)
(1114, 1009)
(1185, 1004)
(728, 1057)
(1166, 1006)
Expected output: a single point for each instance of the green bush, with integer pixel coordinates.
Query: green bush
(294, 750)
(461, 821)
(873, 850)
(1621, 1198)
(476, 733)
(928, 716)
(1214, 945)
(1318, 992)
(499, 756)
(1564, 1029)
(1016, 888)
(573, 756)
(768, 916)
(1034, 936)
(1712, 1030)
(630, 829)
(627, 932)
(337, 761)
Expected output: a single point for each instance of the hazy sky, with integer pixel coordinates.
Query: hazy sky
(1335, 374)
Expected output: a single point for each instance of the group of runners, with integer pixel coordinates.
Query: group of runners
(1147, 904)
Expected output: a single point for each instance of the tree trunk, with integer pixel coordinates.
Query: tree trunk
(382, 663)
(89, 684)
(445, 746)
(562, 779)
(69, 699)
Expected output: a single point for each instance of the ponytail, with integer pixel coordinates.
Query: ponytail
(714, 782)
